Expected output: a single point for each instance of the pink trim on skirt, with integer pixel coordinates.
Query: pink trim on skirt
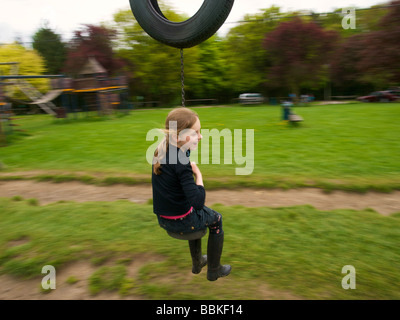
(177, 217)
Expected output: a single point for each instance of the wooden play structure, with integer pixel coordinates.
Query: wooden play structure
(19, 81)
(92, 91)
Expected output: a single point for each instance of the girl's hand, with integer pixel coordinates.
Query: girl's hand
(197, 174)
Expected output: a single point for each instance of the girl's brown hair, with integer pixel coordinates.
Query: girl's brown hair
(184, 119)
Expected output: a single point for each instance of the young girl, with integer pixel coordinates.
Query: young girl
(179, 194)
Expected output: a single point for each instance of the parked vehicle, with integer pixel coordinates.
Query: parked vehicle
(395, 92)
(378, 96)
(251, 98)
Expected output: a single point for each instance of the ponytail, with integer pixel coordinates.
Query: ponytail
(160, 153)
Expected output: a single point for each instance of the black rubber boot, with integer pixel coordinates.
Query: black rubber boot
(214, 251)
(198, 260)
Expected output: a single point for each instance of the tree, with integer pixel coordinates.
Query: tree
(366, 20)
(92, 41)
(243, 51)
(156, 67)
(209, 81)
(345, 73)
(370, 59)
(51, 48)
(298, 52)
(30, 63)
(380, 54)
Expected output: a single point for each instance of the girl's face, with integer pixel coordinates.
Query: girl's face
(190, 138)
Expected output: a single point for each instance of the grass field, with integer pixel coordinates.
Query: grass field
(351, 147)
(295, 250)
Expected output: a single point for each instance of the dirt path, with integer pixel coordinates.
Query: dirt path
(48, 192)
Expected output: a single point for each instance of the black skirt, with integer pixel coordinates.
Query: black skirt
(195, 221)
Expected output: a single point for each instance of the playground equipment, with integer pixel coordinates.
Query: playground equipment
(92, 90)
(5, 122)
(189, 33)
(6, 113)
(186, 34)
(210, 17)
(44, 102)
(289, 115)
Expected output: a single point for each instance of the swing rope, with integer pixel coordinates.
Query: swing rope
(182, 79)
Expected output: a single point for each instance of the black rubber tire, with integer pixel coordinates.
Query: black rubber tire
(186, 34)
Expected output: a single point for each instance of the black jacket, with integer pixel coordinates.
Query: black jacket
(174, 190)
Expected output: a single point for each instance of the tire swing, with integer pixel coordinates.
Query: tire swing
(210, 17)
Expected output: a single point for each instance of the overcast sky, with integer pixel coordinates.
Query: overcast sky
(22, 18)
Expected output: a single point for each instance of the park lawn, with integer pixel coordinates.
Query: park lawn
(349, 147)
(293, 252)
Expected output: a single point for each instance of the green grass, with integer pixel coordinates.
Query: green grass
(296, 250)
(107, 278)
(350, 147)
